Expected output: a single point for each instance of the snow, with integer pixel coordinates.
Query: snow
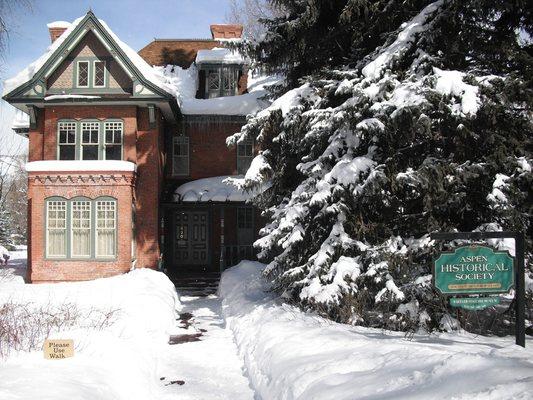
(217, 188)
(219, 55)
(290, 354)
(69, 96)
(20, 120)
(451, 83)
(119, 361)
(243, 104)
(407, 35)
(211, 367)
(58, 24)
(80, 166)
(3, 252)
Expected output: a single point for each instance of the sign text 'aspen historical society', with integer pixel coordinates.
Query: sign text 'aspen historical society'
(474, 270)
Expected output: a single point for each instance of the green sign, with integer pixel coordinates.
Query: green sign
(476, 303)
(474, 269)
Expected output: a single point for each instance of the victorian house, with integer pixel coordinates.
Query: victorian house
(127, 154)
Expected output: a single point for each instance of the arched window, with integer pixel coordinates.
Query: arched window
(56, 227)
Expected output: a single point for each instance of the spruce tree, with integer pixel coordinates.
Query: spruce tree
(416, 119)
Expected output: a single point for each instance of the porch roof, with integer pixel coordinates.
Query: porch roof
(212, 189)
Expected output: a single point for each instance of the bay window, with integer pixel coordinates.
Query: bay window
(81, 228)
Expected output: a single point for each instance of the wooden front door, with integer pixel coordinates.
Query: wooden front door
(190, 238)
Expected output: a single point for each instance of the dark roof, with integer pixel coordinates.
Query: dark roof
(180, 52)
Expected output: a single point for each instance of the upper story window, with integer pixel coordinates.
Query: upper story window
(91, 74)
(222, 81)
(245, 155)
(90, 140)
(180, 156)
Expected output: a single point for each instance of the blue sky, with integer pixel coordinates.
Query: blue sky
(135, 22)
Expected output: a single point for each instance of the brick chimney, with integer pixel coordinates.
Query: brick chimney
(226, 31)
(57, 28)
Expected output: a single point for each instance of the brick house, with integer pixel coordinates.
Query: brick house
(127, 154)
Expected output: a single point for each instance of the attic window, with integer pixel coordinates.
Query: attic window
(83, 73)
(99, 74)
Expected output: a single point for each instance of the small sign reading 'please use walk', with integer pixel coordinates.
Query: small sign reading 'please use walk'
(57, 349)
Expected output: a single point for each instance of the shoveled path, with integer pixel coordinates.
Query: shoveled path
(206, 369)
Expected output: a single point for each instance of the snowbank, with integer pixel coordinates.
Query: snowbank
(80, 166)
(289, 354)
(21, 120)
(117, 362)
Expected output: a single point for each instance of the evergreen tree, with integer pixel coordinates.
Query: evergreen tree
(5, 230)
(415, 119)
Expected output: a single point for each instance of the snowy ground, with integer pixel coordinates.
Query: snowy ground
(292, 355)
(245, 344)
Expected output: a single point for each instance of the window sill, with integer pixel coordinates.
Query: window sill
(80, 165)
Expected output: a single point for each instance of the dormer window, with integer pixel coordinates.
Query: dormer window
(222, 81)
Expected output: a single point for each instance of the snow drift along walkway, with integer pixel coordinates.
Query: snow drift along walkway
(292, 355)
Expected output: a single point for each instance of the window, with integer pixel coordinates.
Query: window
(99, 74)
(245, 154)
(83, 73)
(66, 140)
(105, 228)
(245, 223)
(180, 155)
(56, 228)
(81, 228)
(90, 140)
(244, 218)
(222, 81)
(113, 140)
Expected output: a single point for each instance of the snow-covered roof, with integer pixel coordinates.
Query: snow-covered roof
(58, 24)
(211, 189)
(80, 166)
(144, 68)
(184, 82)
(219, 55)
(21, 120)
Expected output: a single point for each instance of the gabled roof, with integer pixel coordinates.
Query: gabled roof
(181, 52)
(30, 81)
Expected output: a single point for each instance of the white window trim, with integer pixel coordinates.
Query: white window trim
(96, 229)
(113, 144)
(83, 144)
(80, 256)
(94, 74)
(78, 73)
(65, 229)
(59, 144)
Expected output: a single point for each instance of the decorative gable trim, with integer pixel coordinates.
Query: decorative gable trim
(35, 88)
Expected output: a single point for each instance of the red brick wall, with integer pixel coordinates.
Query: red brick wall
(209, 155)
(149, 180)
(91, 185)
